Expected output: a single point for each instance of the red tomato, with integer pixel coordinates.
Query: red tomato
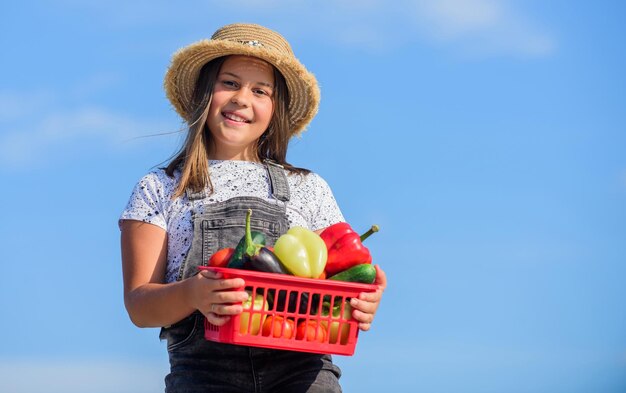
(311, 331)
(277, 326)
(221, 257)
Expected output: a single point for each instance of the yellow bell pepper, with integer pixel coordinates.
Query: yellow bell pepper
(302, 252)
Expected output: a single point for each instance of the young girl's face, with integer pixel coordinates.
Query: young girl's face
(241, 107)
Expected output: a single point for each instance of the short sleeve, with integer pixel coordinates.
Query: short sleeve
(326, 211)
(147, 202)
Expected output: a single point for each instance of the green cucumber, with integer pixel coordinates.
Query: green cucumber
(364, 273)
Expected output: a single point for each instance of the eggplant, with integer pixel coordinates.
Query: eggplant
(292, 304)
(248, 246)
(264, 260)
(238, 258)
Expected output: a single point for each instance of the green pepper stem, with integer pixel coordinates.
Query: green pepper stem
(367, 234)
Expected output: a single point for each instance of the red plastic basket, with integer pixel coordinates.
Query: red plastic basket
(301, 300)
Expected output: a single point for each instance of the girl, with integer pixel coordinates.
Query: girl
(243, 95)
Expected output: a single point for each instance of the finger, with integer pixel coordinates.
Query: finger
(226, 309)
(208, 281)
(372, 297)
(363, 317)
(225, 283)
(364, 306)
(216, 319)
(365, 326)
(231, 283)
(228, 297)
(381, 277)
(210, 274)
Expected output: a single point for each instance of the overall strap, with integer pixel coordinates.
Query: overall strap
(278, 180)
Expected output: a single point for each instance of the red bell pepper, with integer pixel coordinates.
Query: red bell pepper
(345, 247)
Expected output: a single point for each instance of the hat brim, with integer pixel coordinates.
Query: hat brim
(182, 75)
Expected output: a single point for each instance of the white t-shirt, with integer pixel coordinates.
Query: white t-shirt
(311, 204)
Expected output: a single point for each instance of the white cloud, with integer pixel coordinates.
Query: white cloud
(95, 84)
(482, 27)
(472, 26)
(456, 17)
(363, 36)
(80, 376)
(18, 104)
(33, 138)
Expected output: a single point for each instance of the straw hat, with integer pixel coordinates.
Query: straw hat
(250, 40)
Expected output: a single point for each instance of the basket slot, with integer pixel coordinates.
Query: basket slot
(299, 300)
(250, 321)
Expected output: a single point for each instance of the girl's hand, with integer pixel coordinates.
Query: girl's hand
(217, 298)
(366, 305)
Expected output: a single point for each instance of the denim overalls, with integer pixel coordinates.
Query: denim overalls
(199, 365)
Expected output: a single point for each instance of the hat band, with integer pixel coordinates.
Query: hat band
(252, 43)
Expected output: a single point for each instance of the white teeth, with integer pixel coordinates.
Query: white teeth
(234, 117)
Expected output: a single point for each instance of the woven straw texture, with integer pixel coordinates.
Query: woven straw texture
(248, 40)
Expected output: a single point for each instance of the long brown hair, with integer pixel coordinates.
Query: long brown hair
(193, 160)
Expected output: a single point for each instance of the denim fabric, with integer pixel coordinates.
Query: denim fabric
(199, 365)
(280, 187)
(222, 225)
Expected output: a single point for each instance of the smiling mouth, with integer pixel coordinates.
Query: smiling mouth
(234, 117)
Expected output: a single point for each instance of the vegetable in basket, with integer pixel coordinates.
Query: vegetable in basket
(255, 255)
(302, 252)
(250, 318)
(345, 247)
(236, 261)
(311, 331)
(221, 257)
(278, 326)
(338, 328)
(364, 273)
(296, 302)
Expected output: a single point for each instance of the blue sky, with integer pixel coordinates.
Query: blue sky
(486, 138)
